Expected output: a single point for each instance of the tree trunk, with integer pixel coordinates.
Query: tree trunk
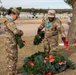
(72, 29)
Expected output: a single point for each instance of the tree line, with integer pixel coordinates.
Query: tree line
(43, 10)
(38, 10)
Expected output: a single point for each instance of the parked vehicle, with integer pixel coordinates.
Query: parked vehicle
(34, 16)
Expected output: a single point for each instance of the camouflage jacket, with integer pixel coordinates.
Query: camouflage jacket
(55, 28)
(11, 31)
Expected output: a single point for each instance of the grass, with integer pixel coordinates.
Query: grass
(30, 49)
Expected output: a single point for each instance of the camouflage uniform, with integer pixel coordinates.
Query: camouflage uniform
(51, 33)
(11, 45)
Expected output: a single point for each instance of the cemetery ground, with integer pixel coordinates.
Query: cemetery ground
(30, 49)
(32, 21)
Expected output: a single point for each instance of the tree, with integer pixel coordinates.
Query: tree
(1, 7)
(19, 8)
(72, 28)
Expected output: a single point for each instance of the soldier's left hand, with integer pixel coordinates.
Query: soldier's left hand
(66, 44)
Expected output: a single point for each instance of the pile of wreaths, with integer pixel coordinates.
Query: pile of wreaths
(45, 64)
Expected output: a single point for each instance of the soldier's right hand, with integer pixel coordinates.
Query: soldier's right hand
(21, 32)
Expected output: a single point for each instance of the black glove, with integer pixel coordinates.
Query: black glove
(63, 38)
(38, 31)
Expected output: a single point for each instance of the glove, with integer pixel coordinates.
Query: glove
(63, 39)
(38, 31)
(66, 44)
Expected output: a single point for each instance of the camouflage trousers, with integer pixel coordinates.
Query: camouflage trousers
(12, 57)
(51, 44)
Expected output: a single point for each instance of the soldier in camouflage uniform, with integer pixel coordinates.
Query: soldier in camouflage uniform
(53, 27)
(10, 41)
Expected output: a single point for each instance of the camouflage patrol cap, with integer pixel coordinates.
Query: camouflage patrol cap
(51, 13)
(16, 11)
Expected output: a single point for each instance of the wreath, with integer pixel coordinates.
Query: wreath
(38, 38)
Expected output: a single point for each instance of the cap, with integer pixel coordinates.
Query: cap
(16, 11)
(51, 13)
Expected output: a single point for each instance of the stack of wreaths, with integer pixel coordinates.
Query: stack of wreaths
(45, 64)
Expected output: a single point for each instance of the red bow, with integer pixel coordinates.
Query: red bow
(31, 63)
(66, 44)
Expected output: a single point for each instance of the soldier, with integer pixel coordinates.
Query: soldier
(10, 41)
(53, 27)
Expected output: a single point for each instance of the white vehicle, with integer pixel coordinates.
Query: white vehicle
(31, 16)
(38, 16)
